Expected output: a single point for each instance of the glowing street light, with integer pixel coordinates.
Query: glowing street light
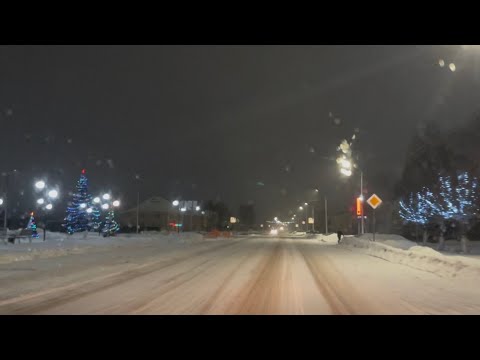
(197, 208)
(116, 203)
(300, 208)
(306, 204)
(106, 196)
(40, 184)
(53, 194)
(49, 207)
(1, 201)
(346, 172)
(183, 209)
(175, 202)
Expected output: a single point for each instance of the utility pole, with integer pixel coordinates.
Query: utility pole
(326, 217)
(361, 194)
(313, 217)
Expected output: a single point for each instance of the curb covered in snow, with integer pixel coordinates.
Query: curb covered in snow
(410, 254)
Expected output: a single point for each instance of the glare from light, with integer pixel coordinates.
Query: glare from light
(106, 196)
(197, 208)
(281, 228)
(83, 206)
(261, 225)
(105, 206)
(306, 204)
(300, 208)
(53, 194)
(275, 218)
(452, 67)
(89, 210)
(316, 190)
(183, 209)
(346, 164)
(346, 172)
(203, 212)
(40, 201)
(441, 62)
(116, 203)
(96, 200)
(361, 198)
(49, 207)
(274, 232)
(175, 202)
(40, 184)
(1, 201)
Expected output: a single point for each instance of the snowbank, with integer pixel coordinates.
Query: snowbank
(61, 244)
(396, 249)
(332, 238)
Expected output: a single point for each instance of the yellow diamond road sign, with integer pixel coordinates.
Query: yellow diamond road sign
(374, 201)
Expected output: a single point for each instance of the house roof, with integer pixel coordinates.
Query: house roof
(154, 204)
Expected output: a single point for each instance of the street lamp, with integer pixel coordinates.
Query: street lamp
(40, 184)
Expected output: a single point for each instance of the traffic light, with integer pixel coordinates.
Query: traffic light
(359, 207)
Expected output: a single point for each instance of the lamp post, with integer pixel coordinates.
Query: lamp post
(45, 201)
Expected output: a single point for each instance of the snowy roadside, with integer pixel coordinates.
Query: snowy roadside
(60, 244)
(396, 249)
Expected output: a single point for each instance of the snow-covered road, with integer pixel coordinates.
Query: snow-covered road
(246, 275)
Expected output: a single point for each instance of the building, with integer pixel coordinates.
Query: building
(158, 213)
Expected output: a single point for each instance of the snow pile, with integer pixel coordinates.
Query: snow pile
(418, 257)
(332, 238)
(61, 244)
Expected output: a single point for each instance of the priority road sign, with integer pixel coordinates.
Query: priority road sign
(374, 201)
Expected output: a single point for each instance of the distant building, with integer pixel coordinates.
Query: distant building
(246, 215)
(158, 213)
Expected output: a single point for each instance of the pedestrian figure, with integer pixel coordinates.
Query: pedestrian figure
(339, 235)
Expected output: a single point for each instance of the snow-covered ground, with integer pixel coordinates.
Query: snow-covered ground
(189, 274)
(61, 244)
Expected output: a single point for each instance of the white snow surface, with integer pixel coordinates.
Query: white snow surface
(396, 249)
(61, 244)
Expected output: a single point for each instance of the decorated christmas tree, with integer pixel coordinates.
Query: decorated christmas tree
(32, 225)
(110, 227)
(80, 215)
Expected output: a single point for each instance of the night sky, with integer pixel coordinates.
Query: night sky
(213, 122)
